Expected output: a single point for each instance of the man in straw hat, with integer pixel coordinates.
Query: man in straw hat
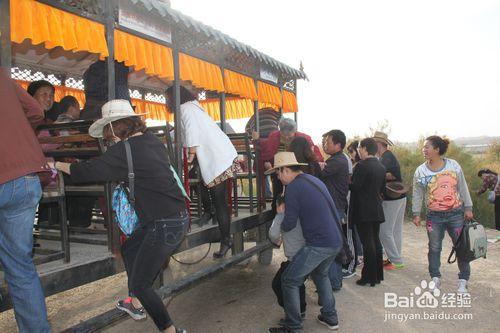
(307, 198)
(394, 205)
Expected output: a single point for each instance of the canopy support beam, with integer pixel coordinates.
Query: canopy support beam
(113, 232)
(222, 103)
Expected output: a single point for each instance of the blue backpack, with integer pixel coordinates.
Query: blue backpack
(123, 200)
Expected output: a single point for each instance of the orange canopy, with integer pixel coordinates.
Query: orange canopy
(269, 94)
(289, 102)
(239, 84)
(54, 27)
(139, 53)
(202, 74)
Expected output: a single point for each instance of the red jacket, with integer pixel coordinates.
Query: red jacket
(19, 148)
(269, 146)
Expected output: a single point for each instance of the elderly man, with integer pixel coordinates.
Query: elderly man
(278, 141)
(20, 192)
(391, 232)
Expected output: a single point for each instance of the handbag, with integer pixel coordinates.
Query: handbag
(471, 244)
(344, 256)
(123, 200)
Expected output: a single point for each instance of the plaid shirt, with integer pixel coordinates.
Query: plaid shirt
(490, 182)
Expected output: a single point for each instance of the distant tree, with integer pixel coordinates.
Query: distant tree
(382, 126)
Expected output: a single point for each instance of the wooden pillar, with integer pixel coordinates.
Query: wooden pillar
(177, 120)
(113, 231)
(222, 102)
(5, 42)
(281, 93)
(295, 91)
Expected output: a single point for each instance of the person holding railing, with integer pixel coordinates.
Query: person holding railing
(216, 157)
(159, 204)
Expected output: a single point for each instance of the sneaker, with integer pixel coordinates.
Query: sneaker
(388, 266)
(180, 330)
(437, 283)
(127, 306)
(328, 323)
(399, 266)
(347, 274)
(462, 286)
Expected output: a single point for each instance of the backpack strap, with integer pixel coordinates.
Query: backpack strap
(131, 175)
(455, 246)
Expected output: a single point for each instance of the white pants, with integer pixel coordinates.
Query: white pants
(391, 231)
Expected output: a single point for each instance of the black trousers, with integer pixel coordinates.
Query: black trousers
(144, 254)
(373, 270)
(218, 196)
(277, 190)
(276, 284)
(497, 213)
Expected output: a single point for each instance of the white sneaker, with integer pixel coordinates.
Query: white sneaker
(462, 286)
(437, 283)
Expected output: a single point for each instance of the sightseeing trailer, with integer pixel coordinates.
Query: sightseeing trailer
(57, 40)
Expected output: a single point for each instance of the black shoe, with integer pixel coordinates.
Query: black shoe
(328, 323)
(224, 247)
(204, 219)
(362, 282)
(280, 329)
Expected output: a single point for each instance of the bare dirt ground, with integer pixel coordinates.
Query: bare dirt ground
(241, 300)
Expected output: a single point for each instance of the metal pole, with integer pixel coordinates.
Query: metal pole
(5, 42)
(260, 202)
(281, 107)
(222, 103)
(113, 232)
(295, 91)
(177, 109)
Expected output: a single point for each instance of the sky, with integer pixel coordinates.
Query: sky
(424, 67)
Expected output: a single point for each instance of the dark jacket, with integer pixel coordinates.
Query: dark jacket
(308, 200)
(157, 194)
(20, 151)
(335, 175)
(367, 188)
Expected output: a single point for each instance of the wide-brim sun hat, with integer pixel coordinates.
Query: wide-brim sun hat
(283, 159)
(395, 190)
(111, 111)
(382, 137)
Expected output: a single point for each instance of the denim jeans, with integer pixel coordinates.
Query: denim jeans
(144, 254)
(18, 201)
(437, 223)
(313, 261)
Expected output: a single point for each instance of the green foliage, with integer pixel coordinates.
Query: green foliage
(410, 159)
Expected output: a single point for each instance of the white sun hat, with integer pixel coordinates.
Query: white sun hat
(111, 111)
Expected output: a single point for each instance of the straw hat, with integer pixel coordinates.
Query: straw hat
(382, 137)
(284, 159)
(111, 111)
(395, 190)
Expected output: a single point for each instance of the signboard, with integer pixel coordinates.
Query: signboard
(131, 18)
(268, 75)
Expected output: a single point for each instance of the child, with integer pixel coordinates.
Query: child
(293, 241)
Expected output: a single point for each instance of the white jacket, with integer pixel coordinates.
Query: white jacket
(214, 150)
